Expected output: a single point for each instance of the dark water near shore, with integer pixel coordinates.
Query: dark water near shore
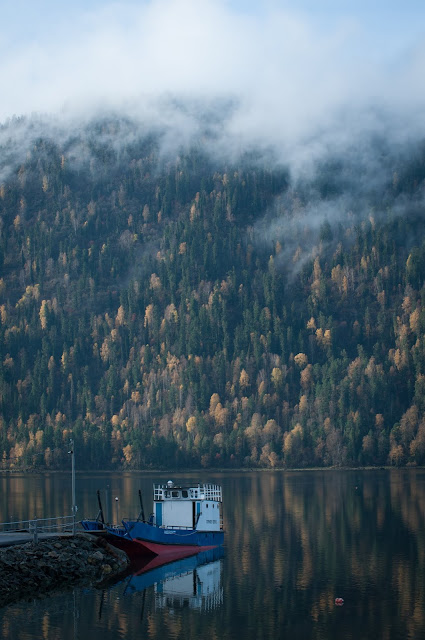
(294, 542)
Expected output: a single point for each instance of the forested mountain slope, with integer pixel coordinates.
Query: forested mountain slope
(177, 308)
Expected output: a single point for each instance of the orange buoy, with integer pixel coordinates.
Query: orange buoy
(339, 602)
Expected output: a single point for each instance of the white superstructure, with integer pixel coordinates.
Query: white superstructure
(178, 507)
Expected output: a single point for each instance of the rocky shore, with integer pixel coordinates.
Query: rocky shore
(33, 570)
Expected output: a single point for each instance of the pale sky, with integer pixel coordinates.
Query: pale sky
(291, 64)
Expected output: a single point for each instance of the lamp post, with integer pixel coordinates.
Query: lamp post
(74, 507)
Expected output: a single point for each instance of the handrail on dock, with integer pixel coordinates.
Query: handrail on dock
(37, 526)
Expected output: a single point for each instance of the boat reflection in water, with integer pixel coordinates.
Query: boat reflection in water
(193, 582)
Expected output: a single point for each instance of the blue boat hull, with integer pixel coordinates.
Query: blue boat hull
(145, 532)
(141, 538)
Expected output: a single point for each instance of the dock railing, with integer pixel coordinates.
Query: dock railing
(39, 526)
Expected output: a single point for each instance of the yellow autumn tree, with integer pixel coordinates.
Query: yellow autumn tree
(292, 445)
(128, 453)
(214, 401)
(43, 314)
(191, 424)
(301, 360)
(149, 311)
(306, 377)
(243, 379)
(120, 317)
(276, 377)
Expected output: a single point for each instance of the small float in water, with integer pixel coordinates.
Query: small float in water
(339, 602)
(184, 521)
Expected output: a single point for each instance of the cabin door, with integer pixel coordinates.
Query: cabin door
(158, 514)
(196, 510)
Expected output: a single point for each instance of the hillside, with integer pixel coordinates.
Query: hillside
(176, 307)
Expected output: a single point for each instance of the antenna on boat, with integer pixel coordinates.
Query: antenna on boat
(142, 511)
(100, 514)
(107, 502)
(116, 503)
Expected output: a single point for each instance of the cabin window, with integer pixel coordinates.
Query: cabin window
(184, 494)
(175, 494)
(206, 505)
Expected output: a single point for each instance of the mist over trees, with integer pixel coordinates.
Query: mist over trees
(171, 307)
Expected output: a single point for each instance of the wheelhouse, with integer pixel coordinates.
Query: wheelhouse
(178, 507)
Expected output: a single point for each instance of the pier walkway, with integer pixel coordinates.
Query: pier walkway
(10, 539)
(20, 532)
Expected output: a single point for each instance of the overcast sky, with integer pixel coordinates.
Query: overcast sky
(291, 64)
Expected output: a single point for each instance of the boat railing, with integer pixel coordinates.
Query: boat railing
(212, 492)
(199, 492)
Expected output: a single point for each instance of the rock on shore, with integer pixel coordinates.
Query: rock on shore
(32, 570)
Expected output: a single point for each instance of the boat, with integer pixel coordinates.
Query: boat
(184, 521)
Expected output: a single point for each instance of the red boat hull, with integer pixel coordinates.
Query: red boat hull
(167, 552)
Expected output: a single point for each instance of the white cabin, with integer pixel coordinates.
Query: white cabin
(176, 507)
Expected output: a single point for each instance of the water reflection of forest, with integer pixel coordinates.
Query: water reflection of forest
(294, 542)
(319, 535)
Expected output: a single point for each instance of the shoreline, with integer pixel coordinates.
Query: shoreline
(206, 471)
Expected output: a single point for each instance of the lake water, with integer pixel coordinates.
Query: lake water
(295, 541)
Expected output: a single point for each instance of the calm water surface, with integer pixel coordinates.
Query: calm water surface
(294, 542)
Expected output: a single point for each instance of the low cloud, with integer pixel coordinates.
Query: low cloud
(285, 79)
(308, 92)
